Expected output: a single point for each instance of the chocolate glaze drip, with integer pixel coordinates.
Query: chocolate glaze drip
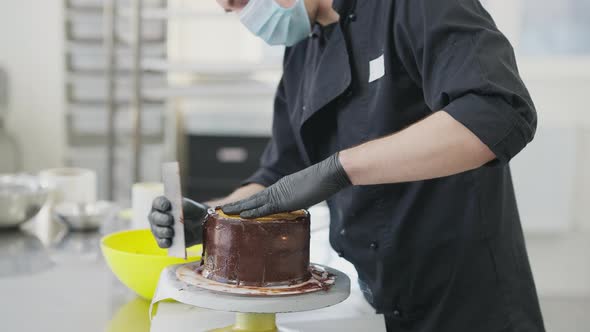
(261, 252)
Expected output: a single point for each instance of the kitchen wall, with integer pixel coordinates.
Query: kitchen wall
(552, 176)
(31, 43)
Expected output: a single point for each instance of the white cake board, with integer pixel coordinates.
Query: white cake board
(170, 287)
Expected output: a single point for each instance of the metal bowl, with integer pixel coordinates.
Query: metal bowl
(85, 217)
(21, 198)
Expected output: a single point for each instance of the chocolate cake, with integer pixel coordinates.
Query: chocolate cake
(263, 252)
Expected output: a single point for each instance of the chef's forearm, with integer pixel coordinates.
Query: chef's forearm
(435, 147)
(238, 194)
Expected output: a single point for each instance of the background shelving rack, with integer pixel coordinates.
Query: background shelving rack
(112, 126)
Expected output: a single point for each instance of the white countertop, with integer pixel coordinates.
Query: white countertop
(59, 282)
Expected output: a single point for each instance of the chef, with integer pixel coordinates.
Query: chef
(403, 115)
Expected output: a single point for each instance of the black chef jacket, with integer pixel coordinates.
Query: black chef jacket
(446, 254)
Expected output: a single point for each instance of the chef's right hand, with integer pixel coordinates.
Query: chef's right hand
(162, 222)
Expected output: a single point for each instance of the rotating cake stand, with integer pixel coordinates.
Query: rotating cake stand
(253, 313)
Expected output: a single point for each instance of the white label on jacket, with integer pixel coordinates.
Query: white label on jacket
(377, 69)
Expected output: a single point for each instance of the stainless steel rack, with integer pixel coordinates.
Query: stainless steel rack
(132, 103)
(113, 126)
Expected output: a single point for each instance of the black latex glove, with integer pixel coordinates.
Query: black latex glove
(296, 191)
(161, 221)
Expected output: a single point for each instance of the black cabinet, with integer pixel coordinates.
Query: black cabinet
(218, 164)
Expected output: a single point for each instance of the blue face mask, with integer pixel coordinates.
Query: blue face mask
(274, 24)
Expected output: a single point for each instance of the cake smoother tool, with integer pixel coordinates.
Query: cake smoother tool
(172, 191)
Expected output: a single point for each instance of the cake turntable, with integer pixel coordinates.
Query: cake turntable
(255, 308)
(255, 268)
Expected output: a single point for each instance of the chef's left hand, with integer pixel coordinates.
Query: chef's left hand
(296, 191)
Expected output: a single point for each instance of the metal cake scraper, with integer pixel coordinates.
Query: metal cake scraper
(172, 190)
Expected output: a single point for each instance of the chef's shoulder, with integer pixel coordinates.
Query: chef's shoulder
(415, 14)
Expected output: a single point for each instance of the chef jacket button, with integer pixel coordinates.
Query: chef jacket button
(352, 17)
(304, 108)
(343, 232)
(374, 245)
(397, 313)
